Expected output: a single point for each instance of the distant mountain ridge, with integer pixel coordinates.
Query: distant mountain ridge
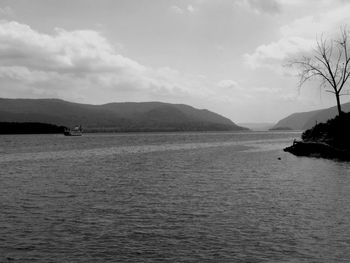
(125, 116)
(306, 120)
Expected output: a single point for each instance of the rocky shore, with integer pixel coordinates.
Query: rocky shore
(318, 149)
(329, 140)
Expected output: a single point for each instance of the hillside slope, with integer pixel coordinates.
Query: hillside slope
(306, 120)
(129, 116)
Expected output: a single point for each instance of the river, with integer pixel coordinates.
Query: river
(170, 197)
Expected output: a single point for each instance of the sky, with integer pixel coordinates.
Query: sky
(228, 56)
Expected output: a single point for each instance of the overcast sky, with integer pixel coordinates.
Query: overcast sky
(224, 55)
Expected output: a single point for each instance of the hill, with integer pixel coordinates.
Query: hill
(128, 116)
(306, 120)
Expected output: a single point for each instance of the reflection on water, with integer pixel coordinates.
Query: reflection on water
(196, 197)
(257, 145)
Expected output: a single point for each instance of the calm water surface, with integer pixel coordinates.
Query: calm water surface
(175, 197)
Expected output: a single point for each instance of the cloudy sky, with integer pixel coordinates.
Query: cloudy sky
(228, 56)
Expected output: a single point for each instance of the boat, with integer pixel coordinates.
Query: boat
(76, 131)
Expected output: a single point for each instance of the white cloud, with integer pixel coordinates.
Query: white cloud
(7, 11)
(25, 75)
(177, 10)
(80, 63)
(298, 37)
(326, 22)
(190, 9)
(228, 84)
(259, 6)
(249, 94)
(273, 55)
(75, 50)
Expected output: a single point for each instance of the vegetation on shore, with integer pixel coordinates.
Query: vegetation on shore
(45, 128)
(281, 129)
(29, 128)
(327, 140)
(335, 132)
(330, 64)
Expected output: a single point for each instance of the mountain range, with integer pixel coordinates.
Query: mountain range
(306, 120)
(126, 116)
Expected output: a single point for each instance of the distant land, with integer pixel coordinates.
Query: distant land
(115, 117)
(263, 126)
(280, 129)
(306, 120)
(29, 128)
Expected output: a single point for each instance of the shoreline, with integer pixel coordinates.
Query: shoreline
(317, 150)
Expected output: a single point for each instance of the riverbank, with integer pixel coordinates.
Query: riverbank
(30, 128)
(319, 150)
(329, 140)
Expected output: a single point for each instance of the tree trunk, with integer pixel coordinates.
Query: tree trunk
(337, 96)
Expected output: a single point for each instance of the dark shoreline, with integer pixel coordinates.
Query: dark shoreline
(46, 128)
(328, 140)
(30, 128)
(318, 150)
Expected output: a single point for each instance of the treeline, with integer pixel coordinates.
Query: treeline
(29, 128)
(156, 127)
(334, 132)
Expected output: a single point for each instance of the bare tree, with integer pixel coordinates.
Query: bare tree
(329, 63)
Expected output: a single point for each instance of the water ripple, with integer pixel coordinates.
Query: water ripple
(162, 198)
(257, 145)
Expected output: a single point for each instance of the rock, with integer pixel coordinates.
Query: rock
(317, 149)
